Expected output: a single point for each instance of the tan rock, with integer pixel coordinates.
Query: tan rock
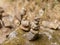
(24, 28)
(50, 24)
(5, 30)
(25, 22)
(30, 36)
(33, 31)
(6, 21)
(16, 22)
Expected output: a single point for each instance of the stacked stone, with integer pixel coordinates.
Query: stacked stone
(33, 34)
(35, 24)
(25, 25)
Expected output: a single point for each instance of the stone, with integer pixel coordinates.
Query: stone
(5, 30)
(30, 36)
(24, 28)
(34, 26)
(12, 35)
(16, 22)
(25, 22)
(6, 21)
(23, 11)
(41, 12)
(33, 31)
(5, 14)
(37, 19)
(50, 24)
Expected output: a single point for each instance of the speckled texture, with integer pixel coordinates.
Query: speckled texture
(49, 11)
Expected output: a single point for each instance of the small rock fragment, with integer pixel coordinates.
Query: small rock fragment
(30, 36)
(23, 11)
(25, 22)
(5, 14)
(50, 24)
(5, 30)
(25, 25)
(33, 31)
(24, 28)
(12, 35)
(41, 12)
(16, 22)
(34, 26)
(6, 21)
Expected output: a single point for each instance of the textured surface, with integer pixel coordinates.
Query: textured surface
(46, 10)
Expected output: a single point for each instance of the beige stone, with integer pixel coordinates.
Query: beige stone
(24, 28)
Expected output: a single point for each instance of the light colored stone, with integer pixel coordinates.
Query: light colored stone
(5, 30)
(50, 24)
(16, 22)
(25, 22)
(34, 26)
(30, 36)
(24, 28)
(5, 14)
(12, 35)
(33, 31)
(23, 11)
(41, 12)
(6, 21)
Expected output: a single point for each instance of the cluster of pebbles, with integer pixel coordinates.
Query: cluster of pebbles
(27, 20)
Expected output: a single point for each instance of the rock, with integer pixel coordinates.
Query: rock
(12, 35)
(37, 19)
(34, 26)
(33, 31)
(5, 30)
(35, 23)
(5, 14)
(23, 11)
(50, 24)
(24, 28)
(25, 23)
(7, 21)
(41, 12)
(30, 36)
(16, 22)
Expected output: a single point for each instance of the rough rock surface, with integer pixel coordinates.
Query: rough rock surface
(30, 36)
(22, 20)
